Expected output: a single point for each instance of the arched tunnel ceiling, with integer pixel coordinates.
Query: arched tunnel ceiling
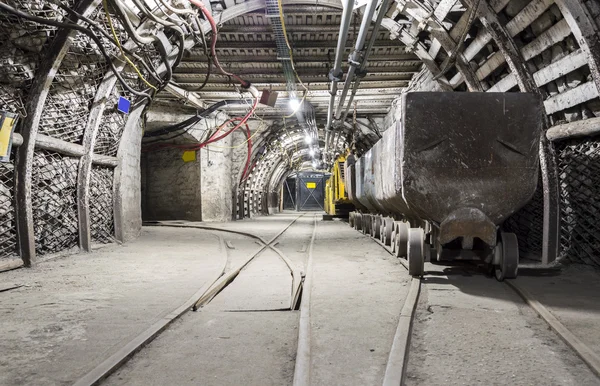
(503, 45)
(246, 46)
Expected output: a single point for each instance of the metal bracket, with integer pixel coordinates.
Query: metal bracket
(336, 76)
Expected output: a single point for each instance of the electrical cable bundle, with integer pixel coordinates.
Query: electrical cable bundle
(178, 26)
(190, 122)
(213, 138)
(177, 23)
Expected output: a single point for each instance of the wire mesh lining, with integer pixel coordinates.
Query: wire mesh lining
(111, 126)
(579, 176)
(8, 225)
(54, 201)
(11, 99)
(528, 225)
(23, 41)
(71, 94)
(102, 223)
(22, 45)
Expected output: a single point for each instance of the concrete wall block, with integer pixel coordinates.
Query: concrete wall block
(514, 7)
(172, 186)
(128, 196)
(238, 156)
(542, 23)
(216, 186)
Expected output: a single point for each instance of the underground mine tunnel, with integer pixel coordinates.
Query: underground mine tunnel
(306, 192)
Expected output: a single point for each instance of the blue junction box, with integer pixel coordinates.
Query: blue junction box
(123, 105)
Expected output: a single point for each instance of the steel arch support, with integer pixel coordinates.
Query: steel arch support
(514, 58)
(585, 31)
(29, 130)
(397, 32)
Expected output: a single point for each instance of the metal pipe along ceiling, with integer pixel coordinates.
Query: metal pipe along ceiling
(363, 64)
(355, 57)
(336, 72)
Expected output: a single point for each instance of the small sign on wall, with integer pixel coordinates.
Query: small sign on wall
(311, 185)
(123, 105)
(189, 156)
(8, 121)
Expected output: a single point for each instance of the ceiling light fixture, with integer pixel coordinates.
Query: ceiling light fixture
(294, 104)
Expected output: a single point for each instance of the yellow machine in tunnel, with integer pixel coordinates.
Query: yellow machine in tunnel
(337, 202)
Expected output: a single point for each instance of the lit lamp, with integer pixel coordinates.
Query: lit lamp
(295, 104)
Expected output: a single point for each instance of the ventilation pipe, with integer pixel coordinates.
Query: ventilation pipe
(355, 58)
(362, 69)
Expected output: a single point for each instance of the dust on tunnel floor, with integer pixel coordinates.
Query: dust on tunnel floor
(470, 329)
(357, 295)
(75, 311)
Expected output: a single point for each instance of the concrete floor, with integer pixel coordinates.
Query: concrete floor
(354, 319)
(75, 311)
(471, 329)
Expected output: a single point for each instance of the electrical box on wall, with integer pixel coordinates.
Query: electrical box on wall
(124, 105)
(8, 121)
(268, 97)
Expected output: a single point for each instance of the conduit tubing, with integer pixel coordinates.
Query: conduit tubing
(356, 57)
(382, 11)
(336, 72)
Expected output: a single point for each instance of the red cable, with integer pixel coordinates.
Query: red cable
(213, 26)
(249, 136)
(198, 146)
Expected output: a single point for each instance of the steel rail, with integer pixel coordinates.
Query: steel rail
(231, 275)
(210, 289)
(395, 370)
(119, 358)
(397, 361)
(587, 355)
(302, 367)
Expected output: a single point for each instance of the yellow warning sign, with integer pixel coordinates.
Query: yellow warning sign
(189, 156)
(311, 185)
(6, 129)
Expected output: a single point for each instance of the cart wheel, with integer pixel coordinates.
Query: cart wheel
(358, 221)
(389, 228)
(437, 250)
(402, 238)
(376, 231)
(416, 263)
(382, 234)
(393, 237)
(351, 219)
(507, 256)
(366, 222)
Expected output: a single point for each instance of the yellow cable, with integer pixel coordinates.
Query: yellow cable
(114, 33)
(281, 18)
(287, 42)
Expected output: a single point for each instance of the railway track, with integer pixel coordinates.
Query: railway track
(398, 360)
(300, 294)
